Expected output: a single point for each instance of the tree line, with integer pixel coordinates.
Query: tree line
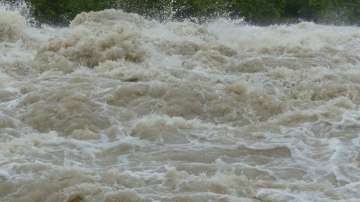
(253, 11)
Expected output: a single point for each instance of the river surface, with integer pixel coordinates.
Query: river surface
(118, 108)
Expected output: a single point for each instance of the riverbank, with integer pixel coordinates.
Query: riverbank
(259, 12)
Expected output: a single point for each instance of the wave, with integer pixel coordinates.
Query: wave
(116, 107)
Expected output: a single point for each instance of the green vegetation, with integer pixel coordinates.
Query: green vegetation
(254, 11)
(62, 11)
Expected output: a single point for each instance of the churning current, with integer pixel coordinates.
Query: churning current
(118, 108)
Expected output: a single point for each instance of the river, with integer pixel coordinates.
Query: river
(116, 108)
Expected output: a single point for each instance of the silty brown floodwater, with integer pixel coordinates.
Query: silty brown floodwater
(116, 107)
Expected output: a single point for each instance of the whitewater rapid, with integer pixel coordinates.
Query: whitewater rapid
(119, 108)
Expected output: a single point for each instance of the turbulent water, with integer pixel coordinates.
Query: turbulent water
(118, 108)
